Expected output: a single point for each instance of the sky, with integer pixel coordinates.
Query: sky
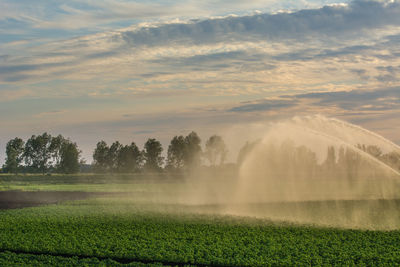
(129, 70)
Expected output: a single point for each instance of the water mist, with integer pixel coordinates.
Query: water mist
(308, 170)
(318, 170)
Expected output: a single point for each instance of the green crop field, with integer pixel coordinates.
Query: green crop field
(117, 231)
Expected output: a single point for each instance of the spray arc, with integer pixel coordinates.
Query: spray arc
(317, 169)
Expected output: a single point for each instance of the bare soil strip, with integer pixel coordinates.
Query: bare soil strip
(22, 199)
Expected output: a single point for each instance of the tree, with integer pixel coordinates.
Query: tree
(100, 157)
(69, 157)
(192, 155)
(37, 152)
(216, 149)
(152, 155)
(14, 152)
(129, 159)
(176, 153)
(56, 148)
(112, 156)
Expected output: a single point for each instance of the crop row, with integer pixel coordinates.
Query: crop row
(21, 259)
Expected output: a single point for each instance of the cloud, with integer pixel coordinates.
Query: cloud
(50, 113)
(376, 100)
(240, 60)
(388, 73)
(329, 21)
(80, 14)
(350, 102)
(377, 110)
(251, 42)
(264, 105)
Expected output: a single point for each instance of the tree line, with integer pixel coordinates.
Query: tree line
(56, 154)
(184, 153)
(47, 154)
(41, 154)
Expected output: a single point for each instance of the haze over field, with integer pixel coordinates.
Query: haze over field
(129, 70)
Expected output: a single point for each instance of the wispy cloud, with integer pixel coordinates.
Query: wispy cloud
(347, 101)
(254, 43)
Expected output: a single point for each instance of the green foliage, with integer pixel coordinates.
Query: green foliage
(14, 152)
(129, 159)
(37, 152)
(121, 230)
(42, 153)
(23, 259)
(117, 158)
(152, 155)
(112, 156)
(176, 153)
(100, 157)
(192, 153)
(184, 152)
(69, 162)
(55, 149)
